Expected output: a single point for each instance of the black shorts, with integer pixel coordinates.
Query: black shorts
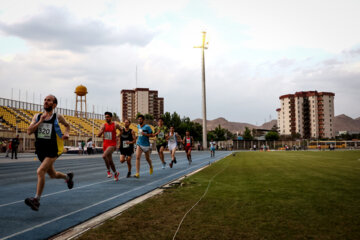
(42, 156)
(127, 151)
(161, 145)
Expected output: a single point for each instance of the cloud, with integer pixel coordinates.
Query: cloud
(56, 28)
(329, 25)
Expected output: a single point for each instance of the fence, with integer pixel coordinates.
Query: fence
(37, 107)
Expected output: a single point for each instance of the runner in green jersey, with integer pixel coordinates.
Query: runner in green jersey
(160, 132)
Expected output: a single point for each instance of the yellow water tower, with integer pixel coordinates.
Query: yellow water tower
(80, 106)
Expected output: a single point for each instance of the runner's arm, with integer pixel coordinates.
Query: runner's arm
(101, 130)
(117, 126)
(183, 141)
(34, 124)
(134, 138)
(66, 124)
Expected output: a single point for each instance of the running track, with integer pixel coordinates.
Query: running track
(92, 194)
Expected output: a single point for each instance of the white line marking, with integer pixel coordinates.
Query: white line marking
(95, 204)
(66, 190)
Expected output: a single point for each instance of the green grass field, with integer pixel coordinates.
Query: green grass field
(271, 195)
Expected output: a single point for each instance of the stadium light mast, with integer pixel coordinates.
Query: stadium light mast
(203, 47)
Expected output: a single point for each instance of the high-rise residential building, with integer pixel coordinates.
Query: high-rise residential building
(311, 114)
(141, 100)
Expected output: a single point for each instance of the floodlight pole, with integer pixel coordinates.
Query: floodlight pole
(203, 47)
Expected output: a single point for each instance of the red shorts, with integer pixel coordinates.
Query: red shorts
(105, 146)
(187, 148)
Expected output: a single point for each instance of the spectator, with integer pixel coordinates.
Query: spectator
(89, 146)
(8, 150)
(80, 147)
(14, 146)
(83, 146)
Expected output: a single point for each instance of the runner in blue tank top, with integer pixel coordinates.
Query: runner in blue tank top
(143, 144)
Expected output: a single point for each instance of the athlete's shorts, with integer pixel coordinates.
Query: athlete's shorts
(42, 156)
(127, 151)
(187, 148)
(106, 147)
(144, 148)
(172, 146)
(212, 149)
(159, 146)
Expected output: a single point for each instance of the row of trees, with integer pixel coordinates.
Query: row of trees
(273, 135)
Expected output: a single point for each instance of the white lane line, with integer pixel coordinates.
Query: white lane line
(95, 204)
(66, 190)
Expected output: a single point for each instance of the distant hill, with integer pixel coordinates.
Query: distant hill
(341, 123)
(233, 126)
(346, 123)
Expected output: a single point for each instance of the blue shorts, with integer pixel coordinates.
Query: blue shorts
(212, 149)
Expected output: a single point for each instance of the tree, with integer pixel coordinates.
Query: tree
(272, 136)
(181, 125)
(115, 117)
(247, 134)
(149, 116)
(219, 133)
(211, 135)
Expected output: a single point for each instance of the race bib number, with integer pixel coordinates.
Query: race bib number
(161, 135)
(44, 130)
(140, 132)
(125, 145)
(108, 135)
(172, 139)
(187, 140)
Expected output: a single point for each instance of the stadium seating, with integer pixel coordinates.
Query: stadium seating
(10, 117)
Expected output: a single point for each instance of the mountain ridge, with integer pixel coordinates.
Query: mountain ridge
(342, 122)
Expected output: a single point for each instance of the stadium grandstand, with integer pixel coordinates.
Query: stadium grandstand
(16, 116)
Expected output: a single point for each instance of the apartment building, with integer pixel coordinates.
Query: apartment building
(311, 114)
(141, 100)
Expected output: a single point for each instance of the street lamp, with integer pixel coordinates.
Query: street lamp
(203, 47)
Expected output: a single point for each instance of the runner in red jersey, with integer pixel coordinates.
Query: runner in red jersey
(188, 142)
(108, 129)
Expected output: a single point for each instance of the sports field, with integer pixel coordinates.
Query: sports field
(254, 195)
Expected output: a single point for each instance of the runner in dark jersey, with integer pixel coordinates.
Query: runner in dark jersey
(108, 129)
(127, 140)
(49, 146)
(188, 143)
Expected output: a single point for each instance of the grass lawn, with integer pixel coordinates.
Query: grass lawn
(271, 195)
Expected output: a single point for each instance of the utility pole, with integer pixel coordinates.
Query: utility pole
(203, 47)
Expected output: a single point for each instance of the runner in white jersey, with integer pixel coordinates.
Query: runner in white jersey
(172, 144)
(212, 148)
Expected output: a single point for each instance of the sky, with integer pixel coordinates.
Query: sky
(257, 51)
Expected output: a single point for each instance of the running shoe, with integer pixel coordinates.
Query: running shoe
(69, 181)
(116, 176)
(151, 170)
(109, 174)
(137, 175)
(128, 174)
(171, 164)
(163, 165)
(175, 160)
(33, 203)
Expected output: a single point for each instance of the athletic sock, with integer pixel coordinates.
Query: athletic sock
(37, 197)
